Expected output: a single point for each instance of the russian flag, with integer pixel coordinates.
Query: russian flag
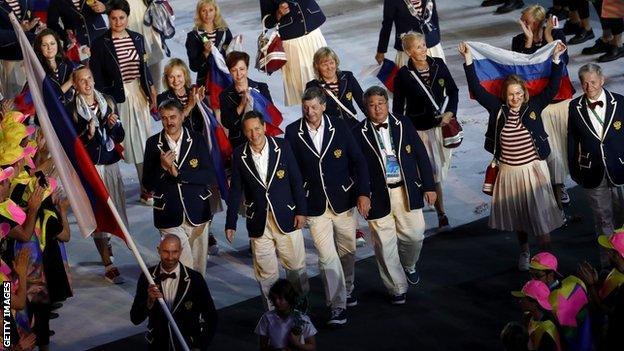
(219, 147)
(87, 194)
(218, 77)
(272, 116)
(387, 71)
(493, 65)
(24, 102)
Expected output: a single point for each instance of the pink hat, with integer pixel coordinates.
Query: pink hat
(537, 290)
(544, 261)
(614, 242)
(6, 173)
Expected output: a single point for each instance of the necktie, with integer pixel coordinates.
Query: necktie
(165, 276)
(381, 125)
(592, 105)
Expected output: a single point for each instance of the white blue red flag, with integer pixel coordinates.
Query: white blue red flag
(493, 65)
(272, 116)
(219, 147)
(218, 77)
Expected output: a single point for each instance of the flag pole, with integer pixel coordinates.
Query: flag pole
(150, 280)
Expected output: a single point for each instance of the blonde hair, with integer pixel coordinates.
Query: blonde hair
(322, 54)
(410, 37)
(219, 22)
(177, 63)
(537, 12)
(511, 80)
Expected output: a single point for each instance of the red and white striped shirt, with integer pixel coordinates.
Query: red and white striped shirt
(15, 7)
(426, 75)
(128, 57)
(516, 142)
(333, 87)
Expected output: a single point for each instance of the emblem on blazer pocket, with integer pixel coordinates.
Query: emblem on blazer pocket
(188, 305)
(617, 125)
(280, 174)
(337, 153)
(194, 163)
(441, 82)
(408, 148)
(533, 115)
(349, 95)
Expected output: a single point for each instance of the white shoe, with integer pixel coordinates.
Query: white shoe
(523, 261)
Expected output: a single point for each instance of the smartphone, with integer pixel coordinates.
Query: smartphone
(556, 23)
(82, 54)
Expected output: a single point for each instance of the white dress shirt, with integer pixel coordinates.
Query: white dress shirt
(383, 136)
(261, 160)
(600, 111)
(175, 145)
(170, 286)
(317, 135)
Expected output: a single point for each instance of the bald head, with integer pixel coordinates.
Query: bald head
(169, 249)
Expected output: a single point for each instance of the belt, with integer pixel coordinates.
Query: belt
(395, 185)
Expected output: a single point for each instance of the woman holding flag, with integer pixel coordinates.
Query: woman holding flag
(522, 198)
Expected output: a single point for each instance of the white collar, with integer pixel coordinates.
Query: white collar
(264, 148)
(387, 120)
(602, 97)
(176, 270)
(320, 127)
(170, 139)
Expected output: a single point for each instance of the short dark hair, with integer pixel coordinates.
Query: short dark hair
(171, 104)
(251, 115)
(233, 57)
(375, 90)
(118, 5)
(283, 288)
(314, 93)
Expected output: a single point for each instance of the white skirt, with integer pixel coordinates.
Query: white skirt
(136, 121)
(523, 200)
(111, 177)
(439, 156)
(402, 58)
(299, 69)
(153, 45)
(555, 118)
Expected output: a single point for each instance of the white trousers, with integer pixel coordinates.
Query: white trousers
(194, 240)
(397, 240)
(334, 238)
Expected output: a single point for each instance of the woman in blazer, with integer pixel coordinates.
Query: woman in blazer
(338, 86)
(424, 75)
(49, 51)
(210, 29)
(237, 99)
(299, 23)
(522, 199)
(119, 65)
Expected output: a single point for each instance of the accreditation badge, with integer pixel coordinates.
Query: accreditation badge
(393, 171)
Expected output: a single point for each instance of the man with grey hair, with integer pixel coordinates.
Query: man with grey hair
(400, 176)
(335, 180)
(596, 149)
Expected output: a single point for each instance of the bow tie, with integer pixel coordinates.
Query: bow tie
(165, 276)
(592, 105)
(381, 125)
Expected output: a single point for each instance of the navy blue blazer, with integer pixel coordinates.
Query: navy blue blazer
(590, 156)
(86, 23)
(187, 194)
(193, 311)
(304, 17)
(338, 175)
(9, 46)
(396, 12)
(195, 52)
(65, 68)
(229, 100)
(105, 66)
(412, 101)
(195, 121)
(412, 156)
(96, 146)
(349, 90)
(282, 194)
(530, 113)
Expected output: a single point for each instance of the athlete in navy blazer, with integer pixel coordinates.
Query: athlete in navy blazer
(591, 157)
(87, 24)
(338, 175)
(282, 194)
(304, 17)
(187, 194)
(413, 161)
(9, 46)
(198, 62)
(349, 90)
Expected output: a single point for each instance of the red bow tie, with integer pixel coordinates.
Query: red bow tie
(593, 105)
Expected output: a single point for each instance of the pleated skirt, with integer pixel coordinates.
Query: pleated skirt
(299, 69)
(136, 121)
(523, 200)
(555, 118)
(439, 156)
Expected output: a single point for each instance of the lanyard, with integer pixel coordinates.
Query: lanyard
(380, 139)
(595, 114)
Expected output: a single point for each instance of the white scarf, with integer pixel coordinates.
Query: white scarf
(84, 110)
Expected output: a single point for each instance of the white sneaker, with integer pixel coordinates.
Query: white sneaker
(565, 197)
(523, 261)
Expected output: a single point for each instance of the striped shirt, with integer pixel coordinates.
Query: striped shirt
(516, 142)
(333, 87)
(129, 61)
(425, 75)
(212, 36)
(183, 99)
(15, 7)
(77, 4)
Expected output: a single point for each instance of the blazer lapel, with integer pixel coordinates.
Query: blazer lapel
(187, 142)
(108, 42)
(328, 135)
(274, 155)
(368, 132)
(162, 145)
(581, 108)
(342, 85)
(249, 164)
(610, 108)
(305, 136)
(184, 283)
(396, 130)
